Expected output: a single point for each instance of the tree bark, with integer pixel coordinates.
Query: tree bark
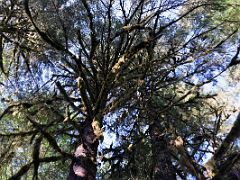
(84, 166)
(162, 167)
(211, 165)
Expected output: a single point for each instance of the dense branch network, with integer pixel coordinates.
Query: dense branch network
(141, 63)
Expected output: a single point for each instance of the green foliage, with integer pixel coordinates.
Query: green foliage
(227, 11)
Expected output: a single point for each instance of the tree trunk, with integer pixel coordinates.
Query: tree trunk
(162, 167)
(84, 166)
(211, 165)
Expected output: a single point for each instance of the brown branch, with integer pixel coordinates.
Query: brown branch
(94, 41)
(81, 42)
(86, 102)
(128, 29)
(35, 155)
(178, 150)
(178, 19)
(22, 134)
(235, 60)
(66, 97)
(1, 54)
(43, 35)
(8, 110)
(49, 138)
(24, 169)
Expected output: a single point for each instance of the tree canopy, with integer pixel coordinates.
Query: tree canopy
(119, 89)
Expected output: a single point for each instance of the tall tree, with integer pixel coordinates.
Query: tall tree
(105, 57)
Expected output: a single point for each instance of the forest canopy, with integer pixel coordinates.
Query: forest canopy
(119, 89)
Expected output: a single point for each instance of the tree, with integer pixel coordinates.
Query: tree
(131, 58)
